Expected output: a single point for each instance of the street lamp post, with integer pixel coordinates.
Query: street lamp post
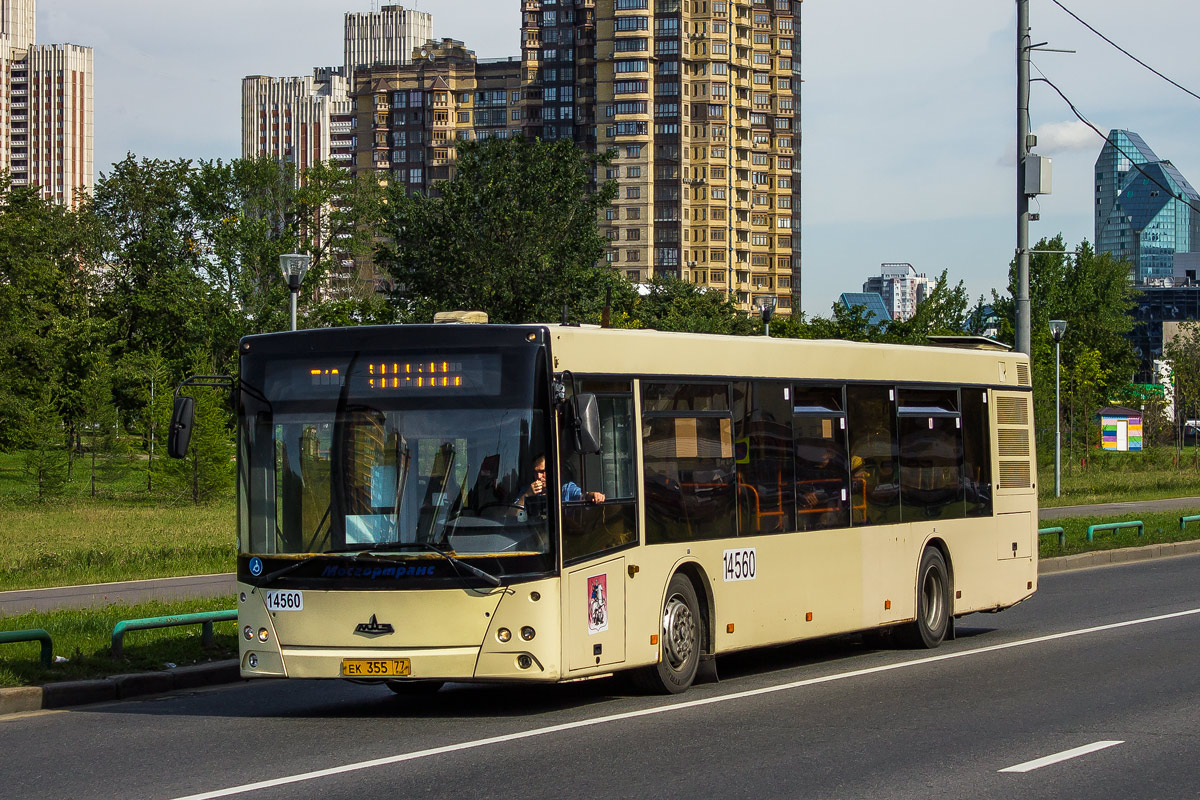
(766, 305)
(1058, 327)
(294, 265)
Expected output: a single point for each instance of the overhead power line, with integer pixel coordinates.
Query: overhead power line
(1123, 50)
(1118, 148)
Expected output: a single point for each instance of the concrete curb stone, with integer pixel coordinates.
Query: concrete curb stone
(1124, 555)
(64, 694)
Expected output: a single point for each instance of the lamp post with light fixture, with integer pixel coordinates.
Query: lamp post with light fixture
(1058, 327)
(293, 266)
(766, 305)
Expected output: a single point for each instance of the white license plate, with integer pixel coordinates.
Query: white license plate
(285, 600)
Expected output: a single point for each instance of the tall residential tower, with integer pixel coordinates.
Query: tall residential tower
(46, 110)
(699, 100)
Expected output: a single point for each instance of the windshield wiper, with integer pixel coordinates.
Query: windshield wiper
(271, 576)
(457, 562)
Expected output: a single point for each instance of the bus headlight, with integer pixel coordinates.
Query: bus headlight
(527, 633)
(504, 634)
(252, 661)
(263, 635)
(248, 632)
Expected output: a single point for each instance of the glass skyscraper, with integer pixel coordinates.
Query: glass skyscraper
(1140, 216)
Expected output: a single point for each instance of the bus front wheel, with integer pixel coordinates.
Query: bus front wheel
(933, 603)
(680, 643)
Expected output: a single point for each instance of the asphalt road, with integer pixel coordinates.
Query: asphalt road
(1096, 657)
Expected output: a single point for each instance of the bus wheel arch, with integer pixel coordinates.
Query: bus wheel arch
(685, 634)
(934, 601)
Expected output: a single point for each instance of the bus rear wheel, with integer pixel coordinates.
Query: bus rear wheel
(680, 642)
(933, 603)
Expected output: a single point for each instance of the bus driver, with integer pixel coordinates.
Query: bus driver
(571, 493)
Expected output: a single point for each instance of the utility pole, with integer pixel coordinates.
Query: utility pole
(1023, 46)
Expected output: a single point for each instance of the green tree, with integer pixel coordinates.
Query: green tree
(669, 304)
(45, 459)
(514, 234)
(1094, 295)
(1183, 353)
(47, 254)
(154, 292)
(944, 312)
(100, 429)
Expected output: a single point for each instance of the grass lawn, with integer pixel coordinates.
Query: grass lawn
(1120, 477)
(84, 638)
(1159, 527)
(75, 542)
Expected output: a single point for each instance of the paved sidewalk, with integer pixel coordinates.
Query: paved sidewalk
(1105, 509)
(128, 592)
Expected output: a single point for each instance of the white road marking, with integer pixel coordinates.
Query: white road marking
(1065, 755)
(586, 723)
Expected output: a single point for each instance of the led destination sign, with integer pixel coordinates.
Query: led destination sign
(477, 374)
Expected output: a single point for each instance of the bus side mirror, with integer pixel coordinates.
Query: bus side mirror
(585, 416)
(180, 432)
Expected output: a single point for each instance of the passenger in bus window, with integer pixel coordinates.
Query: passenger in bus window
(571, 493)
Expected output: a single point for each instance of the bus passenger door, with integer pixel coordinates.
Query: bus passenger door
(594, 620)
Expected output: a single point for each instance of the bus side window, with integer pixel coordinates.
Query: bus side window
(977, 473)
(875, 485)
(687, 447)
(931, 454)
(762, 420)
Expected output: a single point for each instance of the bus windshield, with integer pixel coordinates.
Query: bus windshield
(366, 452)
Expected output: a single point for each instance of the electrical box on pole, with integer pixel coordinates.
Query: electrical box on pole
(1038, 172)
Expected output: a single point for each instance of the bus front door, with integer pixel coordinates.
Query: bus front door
(594, 623)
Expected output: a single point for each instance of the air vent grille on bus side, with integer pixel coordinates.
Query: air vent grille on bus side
(1014, 475)
(1013, 445)
(1023, 375)
(1012, 411)
(1014, 442)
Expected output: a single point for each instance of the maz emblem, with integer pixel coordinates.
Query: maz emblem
(374, 628)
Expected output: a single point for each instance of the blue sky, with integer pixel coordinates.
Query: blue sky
(909, 108)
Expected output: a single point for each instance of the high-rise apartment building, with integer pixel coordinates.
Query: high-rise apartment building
(291, 119)
(410, 118)
(308, 119)
(386, 37)
(1146, 211)
(46, 108)
(901, 287)
(699, 100)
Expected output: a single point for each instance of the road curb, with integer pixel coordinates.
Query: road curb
(1124, 555)
(65, 694)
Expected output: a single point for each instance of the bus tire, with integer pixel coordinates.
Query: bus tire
(680, 642)
(933, 603)
(417, 688)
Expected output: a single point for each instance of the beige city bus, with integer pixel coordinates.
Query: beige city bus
(541, 503)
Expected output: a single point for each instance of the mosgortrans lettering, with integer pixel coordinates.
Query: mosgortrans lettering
(374, 573)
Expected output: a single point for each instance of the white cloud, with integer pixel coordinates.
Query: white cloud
(1066, 137)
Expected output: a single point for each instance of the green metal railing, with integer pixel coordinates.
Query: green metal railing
(1185, 520)
(1062, 535)
(1112, 526)
(32, 635)
(203, 618)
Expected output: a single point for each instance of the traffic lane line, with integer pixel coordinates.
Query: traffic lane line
(1065, 755)
(646, 712)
